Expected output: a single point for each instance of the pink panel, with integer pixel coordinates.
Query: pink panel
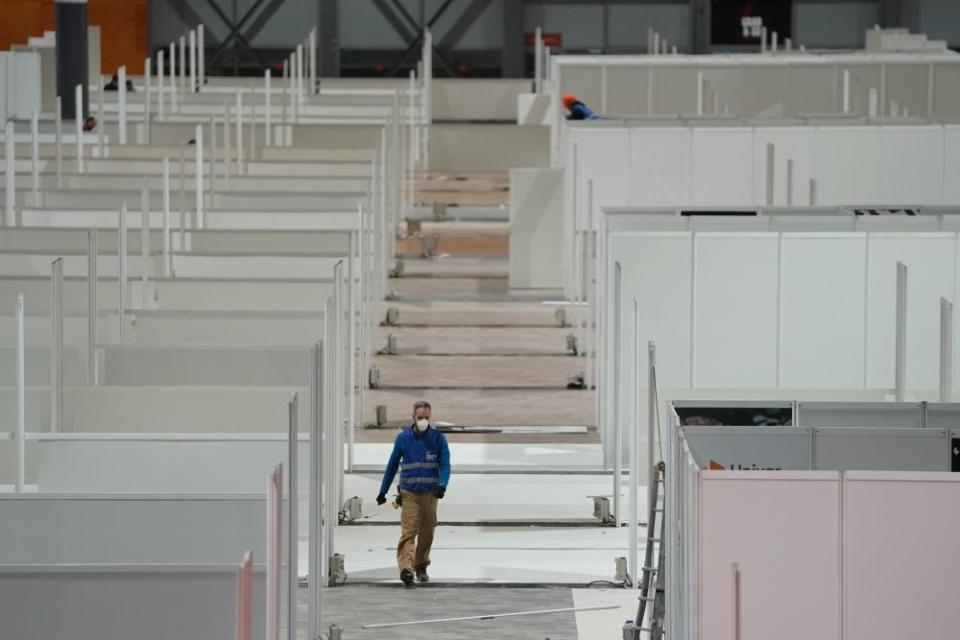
(782, 529)
(900, 555)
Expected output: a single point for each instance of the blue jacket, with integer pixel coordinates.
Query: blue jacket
(580, 111)
(423, 460)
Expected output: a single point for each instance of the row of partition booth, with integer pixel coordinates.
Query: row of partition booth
(772, 227)
(185, 316)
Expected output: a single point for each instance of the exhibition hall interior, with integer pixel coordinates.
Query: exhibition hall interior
(514, 319)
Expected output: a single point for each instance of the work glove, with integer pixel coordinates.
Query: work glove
(439, 492)
(381, 500)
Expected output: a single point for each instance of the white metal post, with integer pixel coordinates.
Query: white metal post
(227, 153)
(315, 527)
(122, 272)
(182, 80)
(202, 58)
(56, 346)
(946, 350)
(300, 95)
(122, 105)
(293, 531)
(268, 117)
(198, 170)
(771, 169)
(537, 60)
(213, 160)
(79, 122)
(239, 139)
(617, 410)
(900, 378)
(253, 131)
(656, 43)
(59, 143)
(789, 182)
(634, 457)
(872, 102)
(166, 217)
(193, 61)
(763, 39)
(285, 99)
(846, 91)
(21, 398)
(144, 241)
(148, 111)
(102, 122)
(92, 307)
(173, 77)
(774, 41)
(10, 180)
(35, 155)
(700, 91)
(312, 40)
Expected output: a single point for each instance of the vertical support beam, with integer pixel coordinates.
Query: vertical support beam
(56, 346)
(173, 77)
(20, 383)
(656, 43)
(182, 80)
(872, 102)
(144, 242)
(946, 350)
(9, 173)
(652, 399)
(122, 272)
(227, 153)
(774, 41)
(160, 87)
(846, 91)
(315, 526)
(634, 457)
(293, 532)
(213, 161)
(148, 111)
(92, 307)
(763, 39)
(253, 131)
(202, 55)
(59, 144)
(102, 120)
(513, 59)
(771, 169)
(274, 554)
(617, 409)
(182, 196)
(900, 377)
(35, 155)
(300, 73)
(71, 52)
(122, 105)
(268, 115)
(193, 61)
(239, 138)
(312, 53)
(789, 182)
(538, 61)
(166, 217)
(700, 91)
(79, 122)
(198, 180)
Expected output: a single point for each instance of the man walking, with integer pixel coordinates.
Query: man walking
(422, 455)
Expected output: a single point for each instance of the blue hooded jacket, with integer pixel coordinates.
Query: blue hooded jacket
(423, 460)
(580, 111)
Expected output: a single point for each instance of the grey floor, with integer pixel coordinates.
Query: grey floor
(352, 606)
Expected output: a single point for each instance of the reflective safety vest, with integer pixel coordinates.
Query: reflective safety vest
(422, 459)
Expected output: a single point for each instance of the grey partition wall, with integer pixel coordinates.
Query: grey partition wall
(751, 448)
(886, 449)
(942, 415)
(907, 415)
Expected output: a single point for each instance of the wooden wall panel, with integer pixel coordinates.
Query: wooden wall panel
(123, 28)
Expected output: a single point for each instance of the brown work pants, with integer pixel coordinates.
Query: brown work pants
(418, 518)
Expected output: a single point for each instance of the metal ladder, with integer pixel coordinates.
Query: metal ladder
(653, 579)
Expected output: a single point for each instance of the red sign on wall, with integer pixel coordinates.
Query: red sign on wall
(552, 40)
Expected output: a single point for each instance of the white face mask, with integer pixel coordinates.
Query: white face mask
(422, 424)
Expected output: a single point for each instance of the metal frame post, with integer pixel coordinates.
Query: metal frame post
(946, 350)
(300, 72)
(56, 344)
(632, 508)
(312, 46)
(182, 80)
(160, 87)
(198, 180)
(10, 176)
(102, 121)
(317, 467)
(92, 307)
(789, 182)
(268, 116)
(166, 217)
(771, 172)
(202, 56)
(122, 105)
(227, 153)
(293, 533)
(900, 336)
(651, 428)
(173, 77)
(846, 91)
(59, 143)
(35, 155)
(193, 60)
(20, 382)
(79, 126)
(144, 241)
(148, 111)
(122, 272)
(239, 139)
(213, 161)
(617, 410)
(538, 60)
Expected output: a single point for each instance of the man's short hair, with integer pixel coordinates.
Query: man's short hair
(421, 404)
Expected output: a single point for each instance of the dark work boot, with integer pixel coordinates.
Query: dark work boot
(422, 574)
(407, 576)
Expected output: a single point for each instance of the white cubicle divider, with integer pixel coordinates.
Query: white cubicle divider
(864, 490)
(130, 551)
(789, 84)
